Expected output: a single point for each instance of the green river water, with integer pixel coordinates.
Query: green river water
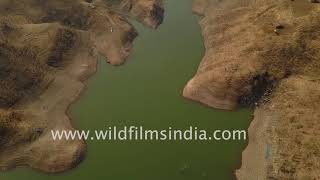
(147, 91)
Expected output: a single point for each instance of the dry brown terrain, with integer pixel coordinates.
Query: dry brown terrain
(260, 53)
(265, 54)
(47, 51)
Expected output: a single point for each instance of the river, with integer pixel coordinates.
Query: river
(147, 91)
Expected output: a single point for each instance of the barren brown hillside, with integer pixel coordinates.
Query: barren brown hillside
(47, 50)
(265, 54)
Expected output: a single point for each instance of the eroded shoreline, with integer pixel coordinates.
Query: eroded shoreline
(257, 52)
(69, 51)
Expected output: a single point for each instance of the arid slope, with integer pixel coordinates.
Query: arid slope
(265, 54)
(47, 49)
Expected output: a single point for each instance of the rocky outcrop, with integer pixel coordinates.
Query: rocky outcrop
(47, 50)
(264, 54)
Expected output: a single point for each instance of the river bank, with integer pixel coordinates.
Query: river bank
(60, 52)
(148, 89)
(254, 52)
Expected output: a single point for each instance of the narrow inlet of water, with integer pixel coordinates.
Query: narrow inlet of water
(146, 91)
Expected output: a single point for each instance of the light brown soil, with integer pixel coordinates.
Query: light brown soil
(284, 137)
(47, 50)
(265, 54)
